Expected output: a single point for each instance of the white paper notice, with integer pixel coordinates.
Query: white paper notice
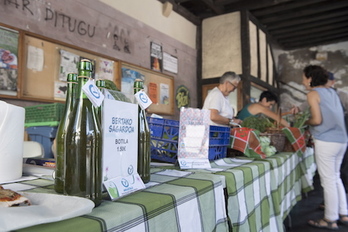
(35, 58)
(170, 63)
(68, 64)
(120, 141)
(195, 131)
(164, 94)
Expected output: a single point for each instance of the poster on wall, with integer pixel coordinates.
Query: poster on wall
(106, 70)
(156, 57)
(128, 78)
(182, 97)
(68, 64)
(153, 92)
(164, 94)
(170, 63)
(8, 61)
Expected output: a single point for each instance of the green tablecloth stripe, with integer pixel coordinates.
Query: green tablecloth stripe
(201, 186)
(98, 219)
(151, 203)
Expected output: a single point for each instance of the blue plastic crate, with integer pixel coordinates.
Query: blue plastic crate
(164, 140)
(164, 128)
(219, 139)
(219, 135)
(217, 152)
(44, 135)
(164, 150)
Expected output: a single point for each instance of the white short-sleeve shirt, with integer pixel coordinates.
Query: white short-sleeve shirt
(216, 100)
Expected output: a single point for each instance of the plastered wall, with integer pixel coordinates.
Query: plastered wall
(291, 64)
(96, 26)
(221, 45)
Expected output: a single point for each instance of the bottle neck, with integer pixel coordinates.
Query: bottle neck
(136, 89)
(71, 93)
(82, 80)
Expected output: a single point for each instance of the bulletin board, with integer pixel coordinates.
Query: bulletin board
(44, 76)
(158, 86)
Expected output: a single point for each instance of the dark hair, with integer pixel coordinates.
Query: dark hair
(269, 96)
(318, 74)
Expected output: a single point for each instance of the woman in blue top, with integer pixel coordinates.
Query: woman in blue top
(330, 142)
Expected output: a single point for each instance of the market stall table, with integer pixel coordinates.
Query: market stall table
(259, 195)
(173, 201)
(261, 192)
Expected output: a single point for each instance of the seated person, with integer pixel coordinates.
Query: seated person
(267, 100)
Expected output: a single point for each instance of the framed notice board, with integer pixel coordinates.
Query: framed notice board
(46, 65)
(158, 86)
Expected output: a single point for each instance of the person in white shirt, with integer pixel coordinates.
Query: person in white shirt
(221, 112)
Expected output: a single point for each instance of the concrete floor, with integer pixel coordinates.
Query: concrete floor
(307, 209)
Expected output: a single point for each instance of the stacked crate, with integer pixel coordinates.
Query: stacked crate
(164, 140)
(41, 122)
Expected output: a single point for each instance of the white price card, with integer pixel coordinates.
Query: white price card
(123, 185)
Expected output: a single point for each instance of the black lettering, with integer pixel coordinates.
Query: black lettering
(91, 35)
(65, 19)
(9, 2)
(26, 3)
(49, 14)
(55, 19)
(80, 29)
(72, 27)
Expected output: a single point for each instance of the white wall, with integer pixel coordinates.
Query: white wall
(150, 13)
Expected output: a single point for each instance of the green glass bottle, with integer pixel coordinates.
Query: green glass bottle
(144, 142)
(61, 132)
(83, 166)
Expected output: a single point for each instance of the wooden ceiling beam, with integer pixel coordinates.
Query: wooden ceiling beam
(305, 19)
(284, 7)
(289, 15)
(315, 42)
(250, 4)
(217, 9)
(184, 12)
(181, 1)
(304, 26)
(305, 36)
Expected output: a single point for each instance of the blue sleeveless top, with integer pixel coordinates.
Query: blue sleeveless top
(332, 127)
(244, 113)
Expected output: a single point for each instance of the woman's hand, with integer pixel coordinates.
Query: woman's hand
(236, 120)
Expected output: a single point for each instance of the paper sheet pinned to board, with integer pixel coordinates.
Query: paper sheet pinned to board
(35, 58)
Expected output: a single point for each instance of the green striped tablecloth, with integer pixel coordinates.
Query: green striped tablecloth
(173, 201)
(261, 192)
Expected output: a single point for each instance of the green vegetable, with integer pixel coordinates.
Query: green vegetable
(119, 96)
(257, 123)
(269, 151)
(266, 148)
(110, 85)
(301, 118)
